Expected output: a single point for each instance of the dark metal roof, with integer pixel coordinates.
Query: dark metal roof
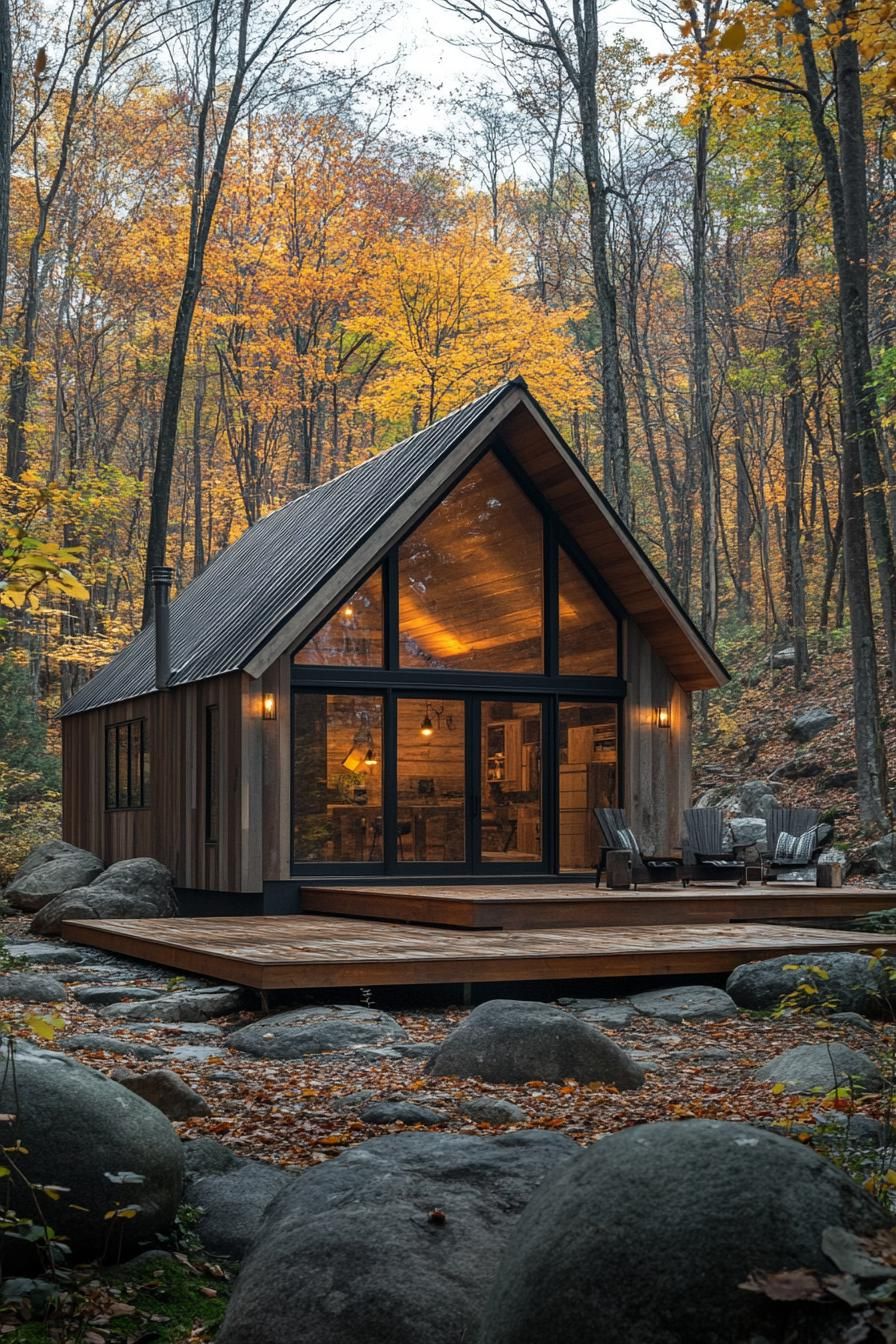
(222, 617)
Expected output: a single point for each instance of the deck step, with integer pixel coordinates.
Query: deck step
(557, 905)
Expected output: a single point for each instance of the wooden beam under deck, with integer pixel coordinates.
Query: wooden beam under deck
(313, 952)
(546, 905)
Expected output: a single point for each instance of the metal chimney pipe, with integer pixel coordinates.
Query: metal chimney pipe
(161, 584)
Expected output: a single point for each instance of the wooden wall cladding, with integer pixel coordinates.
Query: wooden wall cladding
(172, 827)
(657, 757)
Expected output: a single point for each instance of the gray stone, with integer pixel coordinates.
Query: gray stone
(647, 1237)
(54, 874)
(393, 1242)
(686, 1003)
(222, 1075)
(854, 1020)
(809, 722)
(196, 1054)
(352, 1100)
(183, 1005)
(415, 1050)
(112, 1045)
(28, 987)
(45, 954)
(98, 996)
(135, 890)
(165, 1090)
(850, 982)
(198, 1030)
(785, 657)
(493, 1111)
(401, 1112)
(512, 1041)
(233, 1203)
(205, 1156)
(883, 854)
(314, 1030)
(749, 831)
(41, 854)
(819, 1069)
(752, 799)
(705, 1054)
(602, 1012)
(109, 1148)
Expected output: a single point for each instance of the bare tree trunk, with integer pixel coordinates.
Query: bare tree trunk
(5, 143)
(794, 437)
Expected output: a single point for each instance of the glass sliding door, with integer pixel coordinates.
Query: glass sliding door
(510, 767)
(337, 778)
(588, 766)
(431, 781)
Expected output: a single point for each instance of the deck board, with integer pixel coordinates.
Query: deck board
(559, 905)
(316, 952)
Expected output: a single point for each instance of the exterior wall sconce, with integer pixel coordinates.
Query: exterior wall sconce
(269, 705)
(661, 716)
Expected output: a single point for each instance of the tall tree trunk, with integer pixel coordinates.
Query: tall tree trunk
(845, 180)
(701, 434)
(5, 143)
(794, 435)
(617, 479)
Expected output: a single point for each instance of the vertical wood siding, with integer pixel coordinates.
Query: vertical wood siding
(657, 760)
(172, 828)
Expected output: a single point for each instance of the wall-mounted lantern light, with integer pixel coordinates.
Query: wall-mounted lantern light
(269, 705)
(661, 716)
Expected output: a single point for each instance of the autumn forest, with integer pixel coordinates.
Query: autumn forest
(233, 263)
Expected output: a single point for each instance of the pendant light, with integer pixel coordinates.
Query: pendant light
(426, 723)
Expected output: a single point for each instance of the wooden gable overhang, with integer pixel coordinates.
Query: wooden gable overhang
(523, 430)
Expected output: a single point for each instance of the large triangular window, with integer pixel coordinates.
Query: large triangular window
(588, 632)
(353, 636)
(470, 580)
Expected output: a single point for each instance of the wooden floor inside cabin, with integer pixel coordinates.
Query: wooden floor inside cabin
(656, 931)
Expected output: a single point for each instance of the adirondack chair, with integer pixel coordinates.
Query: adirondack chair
(617, 834)
(795, 821)
(703, 850)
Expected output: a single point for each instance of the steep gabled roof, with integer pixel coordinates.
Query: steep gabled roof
(275, 582)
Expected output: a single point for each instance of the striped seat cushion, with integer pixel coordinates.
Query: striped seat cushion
(795, 849)
(626, 840)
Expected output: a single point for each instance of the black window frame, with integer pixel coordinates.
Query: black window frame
(131, 736)
(391, 680)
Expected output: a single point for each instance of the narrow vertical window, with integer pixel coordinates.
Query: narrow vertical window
(212, 760)
(127, 765)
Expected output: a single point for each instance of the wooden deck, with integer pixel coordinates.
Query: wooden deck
(558, 905)
(314, 952)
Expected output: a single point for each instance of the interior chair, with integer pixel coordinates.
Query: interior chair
(704, 852)
(617, 834)
(376, 837)
(799, 846)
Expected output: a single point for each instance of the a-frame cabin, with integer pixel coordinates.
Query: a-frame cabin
(432, 667)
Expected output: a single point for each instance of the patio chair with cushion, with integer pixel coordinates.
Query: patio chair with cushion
(792, 840)
(617, 834)
(705, 858)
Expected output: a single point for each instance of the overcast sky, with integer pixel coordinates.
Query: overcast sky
(431, 40)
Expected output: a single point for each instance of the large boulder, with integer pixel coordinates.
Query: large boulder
(314, 1030)
(883, 854)
(686, 1003)
(808, 1070)
(48, 871)
(233, 1203)
(749, 831)
(754, 798)
(394, 1242)
(108, 1148)
(132, 889)
(845, 982)
(649, 1235)
(512, 1041)
(808, 723)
